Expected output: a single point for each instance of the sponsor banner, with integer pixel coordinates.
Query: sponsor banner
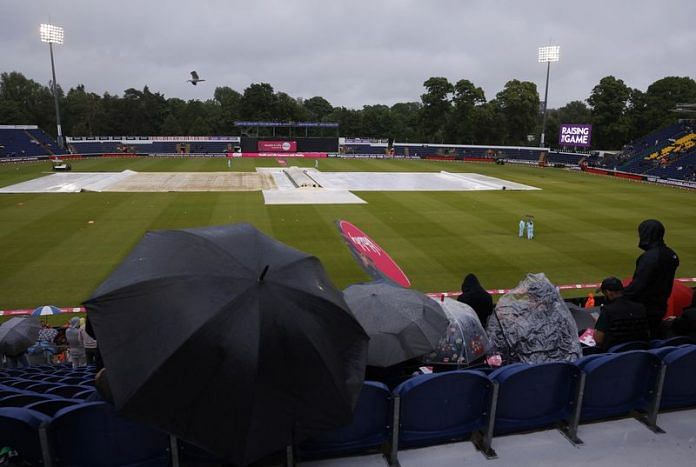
(593, 286)
(370, 256)
(27, 311)
(287, 124)
(284, 155)
(150, 139)
(277, 146)
(575, 134)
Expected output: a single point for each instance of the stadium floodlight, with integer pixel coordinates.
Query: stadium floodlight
(51, 34)
(547, 54)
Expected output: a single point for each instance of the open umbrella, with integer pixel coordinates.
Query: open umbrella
(46, 310)
(18, 334)
(228, 339)
(402, 323)
(464, 341)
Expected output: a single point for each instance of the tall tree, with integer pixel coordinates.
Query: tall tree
(318, 108)
(258, 102)
(609, 103)
(436, 108)
(519, 104)
(466, 97)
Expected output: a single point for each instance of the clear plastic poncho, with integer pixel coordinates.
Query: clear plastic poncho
(464, 341)
(533, 324)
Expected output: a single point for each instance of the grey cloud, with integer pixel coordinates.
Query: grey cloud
(352, 53)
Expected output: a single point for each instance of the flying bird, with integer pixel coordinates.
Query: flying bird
(194, 78)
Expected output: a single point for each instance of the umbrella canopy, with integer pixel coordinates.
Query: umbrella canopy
(46, 310)
(402, 323)
(464, 340)
(228, 339)
(18, 334)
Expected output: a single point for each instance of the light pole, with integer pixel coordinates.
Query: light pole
(548, 54)
(54, 35)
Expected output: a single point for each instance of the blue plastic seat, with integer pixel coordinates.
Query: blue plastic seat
(21, 400)
(67, 391)
(674, 341)
(106, 439)
(51, 406)
(538, 396)
(616, 384)
(41, 387)
(442, 407)
(370, 428)
(626, 346)
(25, 431)
(679, 389)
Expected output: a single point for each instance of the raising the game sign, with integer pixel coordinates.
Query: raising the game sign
(277, 146)
(370, 256)
(575, 134)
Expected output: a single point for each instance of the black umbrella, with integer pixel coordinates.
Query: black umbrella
(402, 323)
(228, 339)
(18, 334)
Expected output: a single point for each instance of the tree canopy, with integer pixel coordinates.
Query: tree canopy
(457, 113)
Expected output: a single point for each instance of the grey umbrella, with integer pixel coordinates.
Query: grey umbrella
(18, 334)
(402, 323)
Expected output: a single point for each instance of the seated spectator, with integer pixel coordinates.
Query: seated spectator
(76, 344)
(620, 320)
(532, 324)
(474, 295)
(47, 333)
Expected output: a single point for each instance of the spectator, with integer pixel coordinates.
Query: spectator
(47, 333)
(76, 345)
(654, 274)
(620, 320)
(90, 343)
(532, 324)
(17, 361)
(474, 295)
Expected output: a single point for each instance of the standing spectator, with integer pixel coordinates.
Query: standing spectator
(90, 344)
(654, 274)
(47, 333)
(620, 320)
(474, 295)
(76, 345)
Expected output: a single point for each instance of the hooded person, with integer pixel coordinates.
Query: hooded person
(532, 324)
(76, 344)
(654, 274)
(474, 295)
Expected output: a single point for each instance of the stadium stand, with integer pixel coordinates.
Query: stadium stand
(18, 141)
(425, 410)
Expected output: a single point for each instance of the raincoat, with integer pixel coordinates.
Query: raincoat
(532, 324)
(474, 295)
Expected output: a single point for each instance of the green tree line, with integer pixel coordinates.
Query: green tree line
(457, 113)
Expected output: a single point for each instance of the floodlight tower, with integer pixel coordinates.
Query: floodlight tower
(548, 54)
(54, 35)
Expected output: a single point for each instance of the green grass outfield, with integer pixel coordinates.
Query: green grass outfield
(585, 226)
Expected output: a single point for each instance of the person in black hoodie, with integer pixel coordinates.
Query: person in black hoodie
(652, 280)
(474, 295)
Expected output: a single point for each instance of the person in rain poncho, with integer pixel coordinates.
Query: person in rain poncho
(530, 229)
(532, 324)
(76, 343)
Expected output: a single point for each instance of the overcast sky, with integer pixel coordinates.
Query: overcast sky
(353, 52)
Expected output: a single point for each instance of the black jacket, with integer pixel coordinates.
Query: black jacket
(655, 269)
(624, 321)
(474, 295)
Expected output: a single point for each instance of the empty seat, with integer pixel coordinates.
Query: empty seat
(370, 427)
(106, 439)
(679, 389)
(616, 384)
(21, 400)
(626, 346)
(674, 341)
(442, 407)
(51, 406)
(25, 431)
(537, 396)
(41, 387)
(67, 391)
